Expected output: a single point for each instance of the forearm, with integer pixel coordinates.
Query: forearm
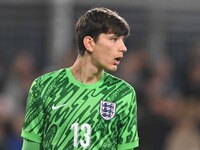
(30, 145)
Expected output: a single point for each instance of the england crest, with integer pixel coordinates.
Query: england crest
(107, 110)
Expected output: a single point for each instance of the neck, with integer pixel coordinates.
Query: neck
(84, 71)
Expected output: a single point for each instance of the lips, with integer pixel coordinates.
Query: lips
(117, 60)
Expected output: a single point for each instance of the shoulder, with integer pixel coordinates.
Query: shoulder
(50, 76)
(122, 86)
(111, 80)
(45, 83)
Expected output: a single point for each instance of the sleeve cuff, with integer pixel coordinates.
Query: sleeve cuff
(128, 145)
(31, 136)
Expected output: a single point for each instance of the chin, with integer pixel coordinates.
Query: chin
(111, 69)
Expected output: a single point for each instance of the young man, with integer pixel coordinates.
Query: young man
(83, 107)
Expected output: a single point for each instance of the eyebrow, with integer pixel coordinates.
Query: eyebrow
(115, 36)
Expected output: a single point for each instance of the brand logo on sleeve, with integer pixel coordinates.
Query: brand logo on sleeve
(107, 110)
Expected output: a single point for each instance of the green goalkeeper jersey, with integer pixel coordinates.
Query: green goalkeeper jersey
(65, 114)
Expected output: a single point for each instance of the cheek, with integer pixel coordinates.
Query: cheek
(106, 57)
(103, 53)
(107, 53)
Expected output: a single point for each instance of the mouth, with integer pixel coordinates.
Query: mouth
(117, 60)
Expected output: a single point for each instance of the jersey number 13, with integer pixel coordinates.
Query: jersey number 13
(87, 131)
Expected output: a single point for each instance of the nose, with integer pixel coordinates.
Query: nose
(122, 46)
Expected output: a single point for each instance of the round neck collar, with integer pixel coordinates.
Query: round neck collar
(77, 82)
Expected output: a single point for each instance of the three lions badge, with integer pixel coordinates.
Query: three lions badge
(107, 110)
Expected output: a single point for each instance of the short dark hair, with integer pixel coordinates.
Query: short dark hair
(99, 20)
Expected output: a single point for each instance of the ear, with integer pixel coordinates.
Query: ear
(88, 43)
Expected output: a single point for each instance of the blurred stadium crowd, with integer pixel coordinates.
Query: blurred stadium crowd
(168, 93)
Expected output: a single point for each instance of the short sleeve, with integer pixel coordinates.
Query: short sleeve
(33, 122)
(29, 145)
(128, 138)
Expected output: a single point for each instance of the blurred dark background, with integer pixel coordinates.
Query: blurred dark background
(162, 63)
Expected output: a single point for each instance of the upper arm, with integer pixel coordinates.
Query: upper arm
(33, 122)
(128, 138)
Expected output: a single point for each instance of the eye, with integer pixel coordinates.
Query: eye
(124, 39)
(114, 39)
